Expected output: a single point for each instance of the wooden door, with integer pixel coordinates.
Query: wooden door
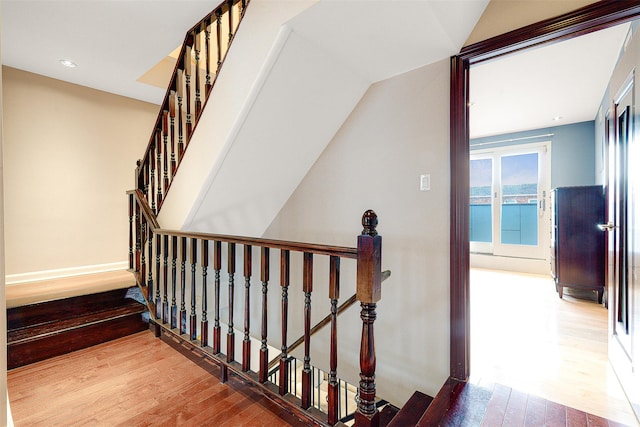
(621, 241)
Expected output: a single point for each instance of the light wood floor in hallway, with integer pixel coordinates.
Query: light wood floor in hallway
(525, 337)
(134, 381)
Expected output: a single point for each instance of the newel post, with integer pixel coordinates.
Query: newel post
(369, 279)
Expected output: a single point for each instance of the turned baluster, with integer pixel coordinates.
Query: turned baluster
(150, 277)
(180, 84)
(187, 79)
(130, 231)
(230, 3)
(192, 316)
(165, 281)
(183, 281)
(217, 265)
(284, 283)
(152, 179)
(231, 269)
(174, 258)
(143, 260)
(369, 278)
(219, 39)
(158, 301)
(172, 131)
(196, 45)
(307, 287)
(158, 137)
(264, 352)
(204, 323)
(246, 342)
(333, 397)
(207, 48)
(138, 236)
(165, 143)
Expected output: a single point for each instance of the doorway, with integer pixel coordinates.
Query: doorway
(594, 17)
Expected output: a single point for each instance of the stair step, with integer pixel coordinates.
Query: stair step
(387, 413)
(412, 411)
(45, 330)
(46, 312)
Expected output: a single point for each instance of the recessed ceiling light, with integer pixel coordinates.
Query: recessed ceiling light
(557, 118)
(68, 63)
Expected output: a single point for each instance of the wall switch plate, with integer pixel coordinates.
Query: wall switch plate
(425, 182)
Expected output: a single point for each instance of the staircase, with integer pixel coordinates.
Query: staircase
(40, 331)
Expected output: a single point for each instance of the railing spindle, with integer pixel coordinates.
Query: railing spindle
(172, 131)
(152, 180)
(207, 48)
(284, 283)
(165, 281)
(192, 316)
(131, 231)
(174, 258)
(204, 323)
(219, 39)
(264, 351)
(230, 13)
(246, 342)
(143, 260)
(165, 143)
(307, 287)
(180, 84)
(333, 386)
(187, 79)
(369, 279)
(198, 102)
(183, 281)
(158, 301)
(159, 165)
(231, 268)
(217, 265)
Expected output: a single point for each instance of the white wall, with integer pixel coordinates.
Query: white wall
(4, 418)
(70, 155)
(399, 130)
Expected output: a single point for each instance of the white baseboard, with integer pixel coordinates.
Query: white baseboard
(523, 265)
(14, 279)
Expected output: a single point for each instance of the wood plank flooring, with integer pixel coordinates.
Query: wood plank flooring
(134, 381)
(526, 338)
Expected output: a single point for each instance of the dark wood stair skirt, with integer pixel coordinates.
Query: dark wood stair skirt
(40, 331)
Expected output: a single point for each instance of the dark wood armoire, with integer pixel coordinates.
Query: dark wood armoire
(577, 244)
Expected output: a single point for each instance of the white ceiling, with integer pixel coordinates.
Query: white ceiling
(114, 42)
(526, 91)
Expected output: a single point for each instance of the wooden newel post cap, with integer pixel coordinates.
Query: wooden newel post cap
(369, 276)
(370, 222)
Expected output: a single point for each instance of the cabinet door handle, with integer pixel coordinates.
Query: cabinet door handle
(607, 227)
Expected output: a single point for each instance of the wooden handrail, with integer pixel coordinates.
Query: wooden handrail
(185, 99)
(314, 248)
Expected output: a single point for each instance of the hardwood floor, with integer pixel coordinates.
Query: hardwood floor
(134, 381)
(526, 338)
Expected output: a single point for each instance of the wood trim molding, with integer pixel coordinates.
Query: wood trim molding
(597, 16)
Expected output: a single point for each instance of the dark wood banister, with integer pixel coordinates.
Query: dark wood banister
(324, 322)
(168, 106)
(369, 277)
(314, 248)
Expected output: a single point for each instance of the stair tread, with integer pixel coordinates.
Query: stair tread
(412, 411)
(127, 308)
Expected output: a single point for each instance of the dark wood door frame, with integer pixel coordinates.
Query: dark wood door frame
(597, 16)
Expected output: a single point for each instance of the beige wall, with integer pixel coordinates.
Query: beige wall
(398, 131)
(70, 156)
(501, 16)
